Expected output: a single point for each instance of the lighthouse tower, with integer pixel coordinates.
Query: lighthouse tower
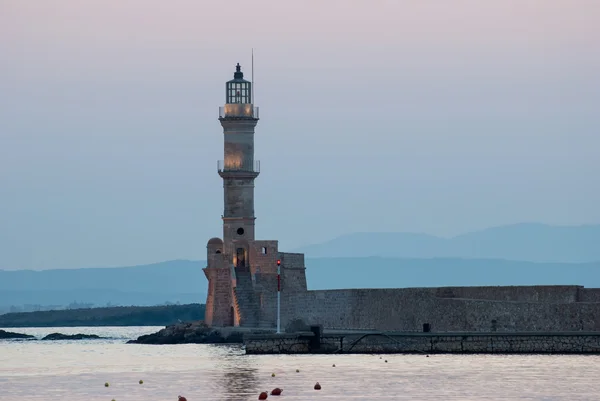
(241, 271)
(238, 168)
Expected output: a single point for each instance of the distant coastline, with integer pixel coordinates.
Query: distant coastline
(163, 315)
(515, 255)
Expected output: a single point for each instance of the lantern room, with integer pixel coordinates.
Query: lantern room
(239, 91)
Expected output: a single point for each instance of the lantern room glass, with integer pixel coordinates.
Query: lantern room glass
(238, 90)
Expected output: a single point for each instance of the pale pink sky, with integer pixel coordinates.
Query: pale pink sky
(429, 116)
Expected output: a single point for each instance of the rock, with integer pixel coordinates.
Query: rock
(190, 333)
(60, 336)
(7, 335)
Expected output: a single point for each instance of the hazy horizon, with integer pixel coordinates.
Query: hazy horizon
(376, 116)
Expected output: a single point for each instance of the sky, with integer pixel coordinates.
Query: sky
(413, 116)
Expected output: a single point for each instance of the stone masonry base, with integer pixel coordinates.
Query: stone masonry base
(427, 343)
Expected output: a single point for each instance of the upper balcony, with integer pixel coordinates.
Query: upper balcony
(238, 167)
(238, 111)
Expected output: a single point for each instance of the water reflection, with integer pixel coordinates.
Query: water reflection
(44, 371)
(241, 381)
(239, 373)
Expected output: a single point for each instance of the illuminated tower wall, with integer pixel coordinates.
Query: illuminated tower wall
(238, 169)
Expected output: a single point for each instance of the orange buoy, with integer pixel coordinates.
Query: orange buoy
(317, 386)
(276, 391)
(181, 398)
(263, 395)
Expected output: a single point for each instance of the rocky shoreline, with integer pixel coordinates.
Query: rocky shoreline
(60, 336)
(194, 333)
(8, 335)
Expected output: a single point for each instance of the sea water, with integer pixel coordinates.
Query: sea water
(78, 370)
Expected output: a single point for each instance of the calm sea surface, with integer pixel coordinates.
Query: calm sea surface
(77, 370)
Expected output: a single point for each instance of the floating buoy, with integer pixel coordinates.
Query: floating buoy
(386, 361)
(263, 395)
(272, 374)
(427, 356)
(297, 370)
(141, 382)
(181, 398)
(106, 384)
(276, 391)
(334, 365)
(317, 386)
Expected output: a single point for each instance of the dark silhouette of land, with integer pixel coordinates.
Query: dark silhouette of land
(114, 316)
(9, 335)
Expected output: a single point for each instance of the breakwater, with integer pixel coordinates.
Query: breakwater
(426, 343)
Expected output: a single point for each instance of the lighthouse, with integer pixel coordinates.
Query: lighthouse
(242, 272)
(238, 168)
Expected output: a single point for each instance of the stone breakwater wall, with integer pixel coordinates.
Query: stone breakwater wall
(449, 343)
(278, 344)
(449, 309)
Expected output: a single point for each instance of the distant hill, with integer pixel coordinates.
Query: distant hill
(378, 272)
(114, 316)
(173, 281)
(184, 281)
(524, 242)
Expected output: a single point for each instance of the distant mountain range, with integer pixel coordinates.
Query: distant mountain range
(524, 254)
(377, 272)
(184, 281)
(156, 284)
(524, 242)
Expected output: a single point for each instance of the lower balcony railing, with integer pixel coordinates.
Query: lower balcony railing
(251, 166)
(238, 110)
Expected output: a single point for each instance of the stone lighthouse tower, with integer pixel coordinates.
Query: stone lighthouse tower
(238, 168)
(241, 271)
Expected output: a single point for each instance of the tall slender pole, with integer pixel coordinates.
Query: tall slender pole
(252, 84)
(278, 296)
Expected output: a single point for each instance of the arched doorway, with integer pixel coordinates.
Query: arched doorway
(241, 259)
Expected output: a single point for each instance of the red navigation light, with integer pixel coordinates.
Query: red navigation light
(278, 262)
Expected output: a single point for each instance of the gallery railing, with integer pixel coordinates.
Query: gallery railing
(238, 110)
(251, 166)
